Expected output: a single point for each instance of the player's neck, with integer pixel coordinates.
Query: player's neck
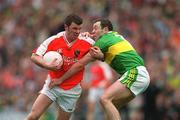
(68, 39)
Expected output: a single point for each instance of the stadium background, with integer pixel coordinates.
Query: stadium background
(152, 26)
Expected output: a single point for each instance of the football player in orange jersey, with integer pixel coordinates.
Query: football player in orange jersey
(72, 46)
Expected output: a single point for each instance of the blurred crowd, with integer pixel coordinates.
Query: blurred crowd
(152, 26)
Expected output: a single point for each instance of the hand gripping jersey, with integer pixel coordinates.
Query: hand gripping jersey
(71, 53)
(119, 53)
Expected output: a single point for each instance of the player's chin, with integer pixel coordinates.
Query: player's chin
(75, 37)
(95, 38)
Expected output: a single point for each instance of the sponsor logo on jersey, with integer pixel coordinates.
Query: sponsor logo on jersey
(77, 53)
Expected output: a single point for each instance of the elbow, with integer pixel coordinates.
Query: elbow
(33, 57)
(80, 66)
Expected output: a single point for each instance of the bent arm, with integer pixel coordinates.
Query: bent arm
(38, 60)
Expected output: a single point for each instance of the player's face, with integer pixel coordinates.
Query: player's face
(97, 30)
(73, 31)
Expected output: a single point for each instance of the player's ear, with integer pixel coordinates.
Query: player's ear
(65, 26)
(106, 29)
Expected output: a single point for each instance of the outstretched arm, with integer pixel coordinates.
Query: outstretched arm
(73, 70)
(92, 55)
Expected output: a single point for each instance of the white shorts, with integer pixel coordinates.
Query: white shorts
(66, 99)
(137, 79)
(94, 94)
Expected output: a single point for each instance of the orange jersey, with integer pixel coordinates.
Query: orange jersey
(100, 72)
(71, 53)
(98, 75)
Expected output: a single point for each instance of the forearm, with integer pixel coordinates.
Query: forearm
(38, 60)
(73, 70)
(76, 67)
(100, 56)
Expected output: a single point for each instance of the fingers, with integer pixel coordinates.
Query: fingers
(85, 34)
(96, 53)
(92, 36)
(59, 65)
(94, 50)
(54, 82)
(50, 85)
(54, 65)
(54, 61)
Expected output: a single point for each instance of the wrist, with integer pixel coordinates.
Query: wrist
(46, 66)
(100, 57)
(58, 81)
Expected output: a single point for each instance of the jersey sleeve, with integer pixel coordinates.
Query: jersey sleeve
(41, 50)
(44, 46)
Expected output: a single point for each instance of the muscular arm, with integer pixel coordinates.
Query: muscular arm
(74, 69)
(38, 60)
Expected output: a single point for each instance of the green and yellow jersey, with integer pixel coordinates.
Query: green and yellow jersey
(119, 53)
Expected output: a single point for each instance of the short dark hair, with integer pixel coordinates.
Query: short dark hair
(105, 23)
(73, 18)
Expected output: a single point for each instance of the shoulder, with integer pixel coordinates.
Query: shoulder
(60, 34)
(54, 37)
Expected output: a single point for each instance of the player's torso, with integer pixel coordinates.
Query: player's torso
(71, 52)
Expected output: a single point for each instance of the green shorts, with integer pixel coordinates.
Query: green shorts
(137, 79)
(66, 99)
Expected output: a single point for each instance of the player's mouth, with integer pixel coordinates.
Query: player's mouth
(75, 36)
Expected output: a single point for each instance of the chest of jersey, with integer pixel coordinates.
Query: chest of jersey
(71, 53)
